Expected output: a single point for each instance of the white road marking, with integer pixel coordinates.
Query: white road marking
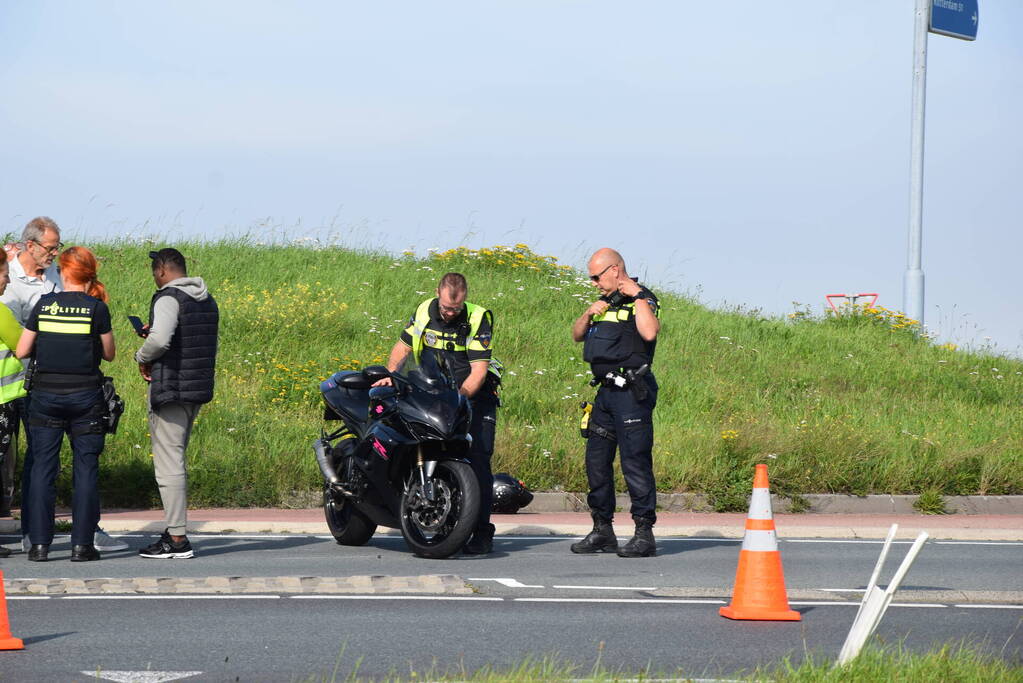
(141, 676)
(510, 583)
(395, 597)
(640, 601)
(28, 597)
(611, 588)
(977, 542)
(826, 603)
(168, 596)
(917, 604)
(663, 601)
(870, 541)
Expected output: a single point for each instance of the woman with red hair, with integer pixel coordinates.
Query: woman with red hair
(67, 333)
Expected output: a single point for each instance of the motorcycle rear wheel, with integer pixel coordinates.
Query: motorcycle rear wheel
(347, 525)
(439, 529)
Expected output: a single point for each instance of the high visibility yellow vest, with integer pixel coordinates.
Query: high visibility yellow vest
(420, 338)
(12, 376)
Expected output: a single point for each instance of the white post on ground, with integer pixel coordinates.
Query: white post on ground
(913, 282)
(875, 601)
(877, 567)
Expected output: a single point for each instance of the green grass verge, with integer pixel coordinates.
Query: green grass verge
(851, 404)
(959, 663)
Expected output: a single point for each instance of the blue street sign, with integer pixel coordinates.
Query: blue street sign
(955, 18)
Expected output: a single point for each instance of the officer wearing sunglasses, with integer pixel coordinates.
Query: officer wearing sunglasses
(619, 335)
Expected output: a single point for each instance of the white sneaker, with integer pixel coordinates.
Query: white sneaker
(103, 541)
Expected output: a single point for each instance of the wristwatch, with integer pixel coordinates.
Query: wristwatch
(641, 295)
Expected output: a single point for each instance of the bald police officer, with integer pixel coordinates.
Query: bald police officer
(619, 335)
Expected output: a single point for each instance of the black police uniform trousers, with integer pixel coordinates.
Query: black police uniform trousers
(51, 416)
(482, 429)
(630, 423)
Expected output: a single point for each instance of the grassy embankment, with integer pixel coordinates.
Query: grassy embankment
(854, 404)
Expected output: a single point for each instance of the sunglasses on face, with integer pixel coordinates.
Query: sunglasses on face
(596, 278)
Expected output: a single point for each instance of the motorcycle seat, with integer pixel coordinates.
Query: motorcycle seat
(347, 401)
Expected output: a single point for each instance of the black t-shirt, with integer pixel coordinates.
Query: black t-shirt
(613, 341)
(68, 349)
(449, 335)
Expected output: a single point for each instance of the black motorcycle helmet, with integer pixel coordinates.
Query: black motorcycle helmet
(510, 494)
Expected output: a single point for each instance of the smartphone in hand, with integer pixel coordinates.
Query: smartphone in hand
(140, 328)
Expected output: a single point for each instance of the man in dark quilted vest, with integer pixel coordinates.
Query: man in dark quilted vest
(177, 360)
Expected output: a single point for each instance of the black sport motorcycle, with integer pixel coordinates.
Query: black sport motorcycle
(400, 458)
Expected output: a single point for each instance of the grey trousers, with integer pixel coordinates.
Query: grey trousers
(170, 426)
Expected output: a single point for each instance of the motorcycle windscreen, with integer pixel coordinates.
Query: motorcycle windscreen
(433, 402)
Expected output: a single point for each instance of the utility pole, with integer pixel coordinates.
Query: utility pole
(956, 19)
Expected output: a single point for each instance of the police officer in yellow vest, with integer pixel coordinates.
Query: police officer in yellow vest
(619, 332)
(68, 333)
(462, 334)
(12, 374)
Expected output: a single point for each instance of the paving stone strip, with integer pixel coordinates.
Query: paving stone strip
(434, 584)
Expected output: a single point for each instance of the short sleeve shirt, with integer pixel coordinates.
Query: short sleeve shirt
(441, 336)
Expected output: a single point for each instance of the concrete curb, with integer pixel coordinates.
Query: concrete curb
(432, 584)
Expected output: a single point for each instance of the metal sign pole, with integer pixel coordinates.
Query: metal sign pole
(913, 283)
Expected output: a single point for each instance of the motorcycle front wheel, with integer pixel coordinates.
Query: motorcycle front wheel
(439, 528)
(347, 525)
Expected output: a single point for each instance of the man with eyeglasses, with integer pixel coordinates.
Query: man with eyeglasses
(33, 273)
(619, 334)
(462, 334)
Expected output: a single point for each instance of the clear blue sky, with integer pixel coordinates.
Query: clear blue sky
(748, 152)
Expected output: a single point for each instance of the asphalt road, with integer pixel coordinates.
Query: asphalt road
(681, 562)
(531, 598)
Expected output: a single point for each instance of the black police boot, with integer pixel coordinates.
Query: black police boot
(84, 553)
(601, 540)
(642, 544)
(39, 553)
(482, 541)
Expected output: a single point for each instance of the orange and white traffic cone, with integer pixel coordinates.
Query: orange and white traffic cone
(7, 642)
(759, 581)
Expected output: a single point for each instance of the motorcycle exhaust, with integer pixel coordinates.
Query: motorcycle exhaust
(326, 468)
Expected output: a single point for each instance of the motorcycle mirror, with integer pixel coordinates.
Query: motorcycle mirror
(375, 373)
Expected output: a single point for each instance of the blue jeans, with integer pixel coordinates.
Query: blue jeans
(50, 416)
